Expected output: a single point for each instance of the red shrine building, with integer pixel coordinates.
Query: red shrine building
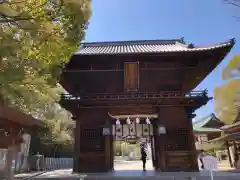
(137, 89)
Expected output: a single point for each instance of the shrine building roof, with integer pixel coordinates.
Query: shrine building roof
(145, 46)
(208, 124)
(15, 116)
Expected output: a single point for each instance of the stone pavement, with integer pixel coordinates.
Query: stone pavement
(23, 176)
(133, 170)
(133, 165)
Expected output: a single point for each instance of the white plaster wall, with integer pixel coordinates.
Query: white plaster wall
(24, 151)
(2, 159)
(232, 152)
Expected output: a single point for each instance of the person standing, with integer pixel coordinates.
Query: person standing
(143, 157)
(236, 161)
(200, 156)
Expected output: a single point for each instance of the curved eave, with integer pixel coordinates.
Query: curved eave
(13, 115)
(64, 83)
(205, 68)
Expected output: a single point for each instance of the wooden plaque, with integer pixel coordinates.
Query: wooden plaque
(131, 76)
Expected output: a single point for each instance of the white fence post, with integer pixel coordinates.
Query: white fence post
(58, 163)
(210, 164)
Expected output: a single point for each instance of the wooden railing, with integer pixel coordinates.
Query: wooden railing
(135, 95)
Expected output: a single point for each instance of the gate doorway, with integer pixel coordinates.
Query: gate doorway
(128, 133)
(127, 154)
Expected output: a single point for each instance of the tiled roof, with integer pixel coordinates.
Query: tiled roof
(149, 46)
(198, 126)
(18, 117)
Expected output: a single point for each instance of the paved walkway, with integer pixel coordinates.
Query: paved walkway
(27, 175)
(133, 170)
(133, 165)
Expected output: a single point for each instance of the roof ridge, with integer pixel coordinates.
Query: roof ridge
(216, 118)
(134, 42)
(145, 46)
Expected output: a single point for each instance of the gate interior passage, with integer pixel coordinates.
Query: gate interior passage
(134, 129)
(154, 77)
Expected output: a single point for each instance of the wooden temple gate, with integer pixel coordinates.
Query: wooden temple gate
(131, 79)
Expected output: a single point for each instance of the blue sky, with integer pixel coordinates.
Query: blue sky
(201, 22)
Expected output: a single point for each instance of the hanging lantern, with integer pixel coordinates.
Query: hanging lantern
(137, 120)
(148, 121)
(128, 121)
(118, 122)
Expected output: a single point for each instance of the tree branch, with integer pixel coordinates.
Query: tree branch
(233, 2)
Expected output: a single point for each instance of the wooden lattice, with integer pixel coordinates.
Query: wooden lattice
(177, 139)
(91, 140)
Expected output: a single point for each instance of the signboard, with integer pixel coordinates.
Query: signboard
(161, 130)
(106, 131)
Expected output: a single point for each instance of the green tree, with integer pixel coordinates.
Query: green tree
(55, 137)
(234, 4)
(36, 39)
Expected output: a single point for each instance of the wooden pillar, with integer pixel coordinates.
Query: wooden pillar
(76, 146)
(8, 163)
(159, 145)
(194, 154)
(176, 148)
(111, 154)
(11, 142)
(91, 146)
(229, 155)
(11, 152)
(153, 151)
(234, 146)
(235, 150)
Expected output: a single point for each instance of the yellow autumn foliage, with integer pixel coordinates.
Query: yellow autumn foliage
(227, 96)
(36, 38)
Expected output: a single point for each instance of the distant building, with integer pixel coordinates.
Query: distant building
(13, 137)
(206, 129)
(21, 159)
(230, 137)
